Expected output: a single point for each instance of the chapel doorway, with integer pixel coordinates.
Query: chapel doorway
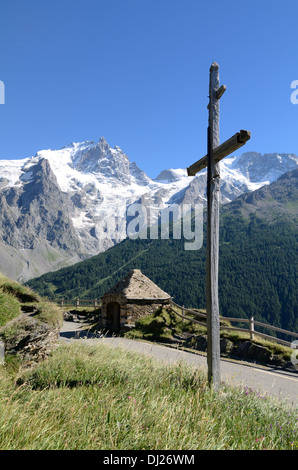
(113, 316)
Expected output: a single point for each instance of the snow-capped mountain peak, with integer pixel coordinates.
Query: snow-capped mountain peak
(267, 167)
(71, 192)
(171, 175)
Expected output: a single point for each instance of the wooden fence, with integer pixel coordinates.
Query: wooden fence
(251, 325)
(78, 302)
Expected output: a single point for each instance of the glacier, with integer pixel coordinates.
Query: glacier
(92, 183)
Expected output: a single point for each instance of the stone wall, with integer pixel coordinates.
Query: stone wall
(130, 310)
(137, 309)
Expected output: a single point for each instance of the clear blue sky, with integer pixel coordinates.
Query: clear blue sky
(136, 72)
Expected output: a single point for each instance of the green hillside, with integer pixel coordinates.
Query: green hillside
(16, 300)
(257, 269)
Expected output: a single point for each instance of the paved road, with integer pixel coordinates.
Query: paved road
(264, 380)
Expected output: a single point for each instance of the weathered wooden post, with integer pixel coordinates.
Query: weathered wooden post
(251, 327)
(213, 182)
(2, 353)
(77, 302)
(214, 155)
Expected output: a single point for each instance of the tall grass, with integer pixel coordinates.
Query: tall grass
(50, 313)
(15, 298)
(104, 398)
(9, 308)
(22, 293)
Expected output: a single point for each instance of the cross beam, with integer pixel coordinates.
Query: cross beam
(229, 146)
(215, 153)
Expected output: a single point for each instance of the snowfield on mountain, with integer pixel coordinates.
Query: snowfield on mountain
(56, 204)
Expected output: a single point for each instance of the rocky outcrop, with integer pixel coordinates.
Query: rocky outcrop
(244, 350)
(30, 339)
(256, 352)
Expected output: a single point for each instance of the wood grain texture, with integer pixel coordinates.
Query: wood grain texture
(213, 186)
(221, 151)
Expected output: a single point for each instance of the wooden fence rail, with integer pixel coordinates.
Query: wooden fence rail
(252, 323)
(187, 318)
(78, 302)
(251, 329)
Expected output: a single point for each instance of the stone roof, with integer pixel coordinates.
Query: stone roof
(137, 286)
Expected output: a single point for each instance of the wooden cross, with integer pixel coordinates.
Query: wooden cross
(215, 153)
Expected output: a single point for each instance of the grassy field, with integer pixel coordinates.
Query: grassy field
(96, 397)
(103, 398)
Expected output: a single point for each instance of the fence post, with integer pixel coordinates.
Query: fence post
(77, 303)
(62, 302)
(95, 303)
(183, 314)
(2, 353)
(251, 327)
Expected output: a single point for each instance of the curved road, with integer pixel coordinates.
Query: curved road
(264, 380)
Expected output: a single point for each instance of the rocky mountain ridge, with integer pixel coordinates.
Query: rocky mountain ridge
(62, 206)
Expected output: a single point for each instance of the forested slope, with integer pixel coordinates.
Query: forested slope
(257, 267)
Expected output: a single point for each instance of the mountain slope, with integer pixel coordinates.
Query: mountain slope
(35, 224)
(62, 206)
(258, 261)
